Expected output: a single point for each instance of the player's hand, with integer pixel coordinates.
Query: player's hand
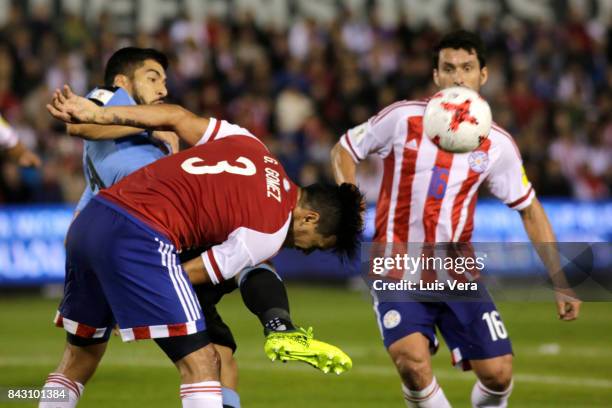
(196, 271)
(29, 159)
(71, 108)
(568, 307)
(23, 156)
(170, 138)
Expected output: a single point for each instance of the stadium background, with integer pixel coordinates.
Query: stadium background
(299, 73)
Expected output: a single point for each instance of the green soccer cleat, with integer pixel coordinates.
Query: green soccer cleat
(299, 345)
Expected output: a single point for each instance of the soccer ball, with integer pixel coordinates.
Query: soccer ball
(457, 119)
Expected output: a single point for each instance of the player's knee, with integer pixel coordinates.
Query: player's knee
(203, 364)
(498, 377)
(264, 267)
(415, 369)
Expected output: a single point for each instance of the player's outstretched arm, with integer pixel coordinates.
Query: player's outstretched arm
(540, 232)
(71, 108)
(343, 166)
(109, 132)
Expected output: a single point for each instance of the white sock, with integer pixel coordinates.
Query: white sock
(206, 394)
(482, 397)
(431, 396)
(57, 381)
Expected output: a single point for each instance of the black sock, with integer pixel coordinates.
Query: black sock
(264, 294)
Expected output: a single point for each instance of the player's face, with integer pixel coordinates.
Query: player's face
(149, 83)
(459, 68)
(310, 242)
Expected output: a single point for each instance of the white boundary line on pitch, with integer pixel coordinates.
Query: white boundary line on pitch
(531, 351)
(367, 370)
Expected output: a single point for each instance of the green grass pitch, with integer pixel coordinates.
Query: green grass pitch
(557, 364)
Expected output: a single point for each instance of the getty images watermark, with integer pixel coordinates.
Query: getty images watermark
(420, 265)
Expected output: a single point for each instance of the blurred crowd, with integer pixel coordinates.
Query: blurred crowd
(300, 88)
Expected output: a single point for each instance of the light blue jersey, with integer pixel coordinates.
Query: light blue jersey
(105, 162)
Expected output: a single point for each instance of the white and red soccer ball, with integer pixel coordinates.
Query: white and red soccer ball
(457, 119)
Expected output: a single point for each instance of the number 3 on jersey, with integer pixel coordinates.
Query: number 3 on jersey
(247, 169)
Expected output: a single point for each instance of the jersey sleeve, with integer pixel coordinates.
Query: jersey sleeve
(8, 136)
(101, 96)
(219, 129)
(243, 248)
(507, 180)
(372, 137)
(110, 96)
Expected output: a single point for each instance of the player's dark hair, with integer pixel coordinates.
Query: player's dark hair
(461, 40)
(128, 59)
(341, 213)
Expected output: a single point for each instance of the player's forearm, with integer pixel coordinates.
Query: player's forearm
(185, 124)
(541, 234)
(196, 271)
(143, 116)
(343, 166)
(100, 132)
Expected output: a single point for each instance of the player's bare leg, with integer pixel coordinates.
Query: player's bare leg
(412, 359)
(77, 366)
(494, 383)
(198, 364)
(199, 371)
(229, 376)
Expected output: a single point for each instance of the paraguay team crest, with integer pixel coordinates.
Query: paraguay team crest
(479, 161)
(391, 319)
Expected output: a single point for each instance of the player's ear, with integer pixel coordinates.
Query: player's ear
(305, 216)
(311, 217)
(121, 81)
(484, 75)
(436, 79)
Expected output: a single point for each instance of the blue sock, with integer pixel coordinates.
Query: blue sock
(231, 399)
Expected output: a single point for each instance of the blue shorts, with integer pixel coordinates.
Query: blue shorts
(119, 270)
(472, 330)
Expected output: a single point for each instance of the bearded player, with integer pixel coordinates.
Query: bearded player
(429, 195)
(138, 76)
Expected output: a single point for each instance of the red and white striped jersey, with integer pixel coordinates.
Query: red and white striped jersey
(428, 194)
(227, 192)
